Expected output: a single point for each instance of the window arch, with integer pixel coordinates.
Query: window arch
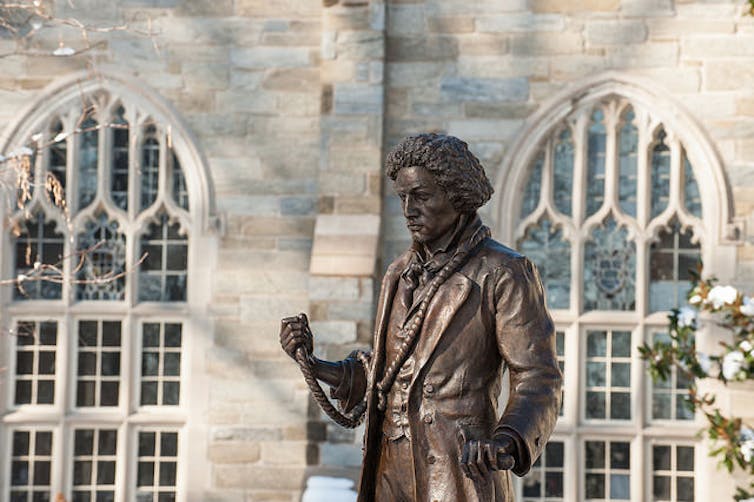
(102, 353)
(606, 194)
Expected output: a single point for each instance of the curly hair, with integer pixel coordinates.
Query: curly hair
(455, 169)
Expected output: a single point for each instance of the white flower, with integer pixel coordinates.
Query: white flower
(748, 306)
(21, 277)
(732, 364)
(686, 317)
(704, 362)
(747, 434)
(721, 295)
(63, 51)
(696, 299)
(747, 450)
(747, 347)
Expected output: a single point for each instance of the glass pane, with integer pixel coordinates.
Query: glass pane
(595, 374)
(46, 363)
(24, 363)
(692, 196)
(110, 364)
(609, 269)
(105, 496)
(58, 156)
(683, 410)
(671, 258)
(172, 364)
(23, 392)
(172, 335)
(661, 487)
(87, 363)
(46, 392)
(660, 177)
(661, 406)
(177, 257)
(169, 444)
(627, 154)
(551, 254)
(20, 443)
(148, 393)
(620, 455)
(167, 473)
(146, 444)
(87, 333)
(111, 333)
(596, 144)
(563, 172)
(108, 440)
(554, 453)
(595, 486)
(84, 442)
(41, 473)
(44, 443)
(685, 458)
(87, 157)
(533, 187)
(151, 334)
(85, 393)
(595, 405)
(180, 190)
(109, 393)
(532, 485)
(39, 242)
(119, 161)
(620, 487)
(150, 167)
(82, 472)
(145, 474)
(166, 497)
(621, 344)
(170, 393)
(661, 458)
(620, 406)
(19, 473)
(150, 364)
(620, 374)
(685, 487)
(554, 484)
(596, 343)
(106, 472)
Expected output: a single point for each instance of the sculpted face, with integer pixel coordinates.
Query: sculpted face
(429, 214)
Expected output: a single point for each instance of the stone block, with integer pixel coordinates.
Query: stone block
(263, 58)
(745, 106)
(727, 74)
(647, 8)
(435, 109)
(498, 110)
(615, 32)
(270, 308)
(201, 8)
(357, 159)
(675, 28)
(245, 434)
(340, 455)
(292, 79)
(484, 89)
(710, 105)
(334, 332)
(648, 55)
(450, 24)
(676, 80)
(334, 288)
(350, 19)
(339, 183)
(277, 9)
(708, 10)
(425, 48)
(296, 206)
(358, 99)
(406, 19)
(546, 43)
(259, 477)
(362, 204)
(572, 6)
(505, 66)
(483, 44)
(524, 22)
(578, 66)
(411, 74)
(484, 129)
(455, 7)
(291, 453)
(234, 453)
(244, 101)
(717, 46)
(360, 46)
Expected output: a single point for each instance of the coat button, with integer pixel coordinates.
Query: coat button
(404, 385)
(429, 388)
(431, 459)
(427, 418)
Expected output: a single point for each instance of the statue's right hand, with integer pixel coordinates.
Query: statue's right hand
(295, 334)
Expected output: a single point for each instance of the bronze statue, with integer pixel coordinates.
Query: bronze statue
(455, 310)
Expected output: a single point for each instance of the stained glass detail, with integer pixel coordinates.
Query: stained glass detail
(671, 258)
(533, 187)
(31, 466)
(551, 253)
(692, 197)
(58, 160)
(150, 167)
(660, 174)
(87, 160)
(628, 147)
(180, 190)
(39, 244)
(119, 162)
(595, 167)
(163, 273)
(35, 362)
(104, 263)
(609, 269)
(544, 482)
(563, 172)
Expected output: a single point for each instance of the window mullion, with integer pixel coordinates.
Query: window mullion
(642, 169)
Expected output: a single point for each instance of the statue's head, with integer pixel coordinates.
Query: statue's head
(448, 159)
(438, 179)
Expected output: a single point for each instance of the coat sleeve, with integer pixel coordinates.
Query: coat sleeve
(526, 340)
(352, 387)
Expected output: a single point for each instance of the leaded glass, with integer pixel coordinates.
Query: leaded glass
(156, 467)
(180, 191)
(691, 195)
(551, 253)
(533, 187)
(39, 244)
(119, 163)
(104, 263)
(150, 167)
(98, 369)
(609, 269)
(31, 465)
(58, 160)
(672, 258)
(160, 363)
(563, 172)
(608, 375)
(660, 174)
(596, 148)
(94, 464)
(163, 273)
(87, 160)
(627, 159)
(35, 362)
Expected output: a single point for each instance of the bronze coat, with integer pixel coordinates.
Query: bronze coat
(488, 316)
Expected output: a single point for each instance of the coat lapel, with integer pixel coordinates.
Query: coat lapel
(443, 307)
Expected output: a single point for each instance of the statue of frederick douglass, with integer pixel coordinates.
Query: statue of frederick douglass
(456, 310)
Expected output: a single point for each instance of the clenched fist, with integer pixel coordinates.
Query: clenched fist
(295, 334)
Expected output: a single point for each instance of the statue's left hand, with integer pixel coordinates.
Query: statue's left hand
(480, 457)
